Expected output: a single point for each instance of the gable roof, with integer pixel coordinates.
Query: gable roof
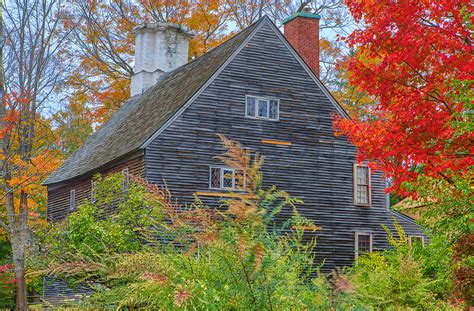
(143, 117)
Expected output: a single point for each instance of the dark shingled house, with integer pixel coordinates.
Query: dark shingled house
(260, 88)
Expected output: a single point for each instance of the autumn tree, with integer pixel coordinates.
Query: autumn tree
(30, 71)
(102, 48)
(415, 59)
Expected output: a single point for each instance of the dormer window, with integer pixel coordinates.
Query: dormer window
(262, 108)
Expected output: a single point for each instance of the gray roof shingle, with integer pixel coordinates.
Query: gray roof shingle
(141, 116)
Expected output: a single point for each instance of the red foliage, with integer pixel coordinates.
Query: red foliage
(409, 54)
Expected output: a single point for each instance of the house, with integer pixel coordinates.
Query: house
(260, 88)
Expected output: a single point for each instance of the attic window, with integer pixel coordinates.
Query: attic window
(363, 243)
(72, 200)
(362, 195)
(225, 178)
(262, 108)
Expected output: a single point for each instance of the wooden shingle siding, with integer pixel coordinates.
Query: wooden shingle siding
(317, 167)
(58, 197)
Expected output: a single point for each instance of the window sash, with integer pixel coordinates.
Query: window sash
(362, 185)
(72, 199)
(93, 198)
(225, 178)
(126, 179)
(420, 238)
(262, 108)
(362, 243)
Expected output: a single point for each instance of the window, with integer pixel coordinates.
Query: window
(93, 198)
(126, 179)
(416, 240)
(363, 243)
(362, 195)
(72, 200)
(262, 108)
(225, 178)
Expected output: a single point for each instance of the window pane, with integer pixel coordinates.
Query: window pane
(416, 240)
(250, 106)
(273, 110)
(215, 177)
(239, 179)
(228, 179)
(362, 194)
(263, 108)
(72, 200)
(363, 243)
(362, 175)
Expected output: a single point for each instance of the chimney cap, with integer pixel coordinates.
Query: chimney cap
(162, 26)
(301, 14)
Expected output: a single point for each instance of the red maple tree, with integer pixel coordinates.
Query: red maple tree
(415, 59)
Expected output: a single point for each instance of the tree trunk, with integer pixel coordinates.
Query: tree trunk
(20, 300)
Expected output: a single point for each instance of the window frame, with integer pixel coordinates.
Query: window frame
(126, 179)
(356, 242)
(221, 178)
(93, 198)
(356, 184)
(268, 99)
(411, 236)
(72, 200)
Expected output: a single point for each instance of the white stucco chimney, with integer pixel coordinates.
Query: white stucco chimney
(159, 48)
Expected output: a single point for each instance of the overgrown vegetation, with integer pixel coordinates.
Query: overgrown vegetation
(149, 252)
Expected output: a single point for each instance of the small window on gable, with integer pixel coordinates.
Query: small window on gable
(363, 243)
(362, 191)
(126, 179)
(416, 240)
(93, 198)
(224, 178)
(262, 108)
(72, 200)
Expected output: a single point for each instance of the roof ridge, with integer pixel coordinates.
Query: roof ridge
(142, 116)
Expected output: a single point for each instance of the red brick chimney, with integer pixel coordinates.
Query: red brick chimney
(302, 31)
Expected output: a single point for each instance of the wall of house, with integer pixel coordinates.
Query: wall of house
(313, 164)
(59, 195)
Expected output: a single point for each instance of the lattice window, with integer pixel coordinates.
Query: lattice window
(226, 178)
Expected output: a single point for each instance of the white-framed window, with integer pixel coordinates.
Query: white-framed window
(226, 178)
(126, 179)
(362, 185)
(362, 243)
(416, 239)
(262, 108)
(72, 199)
(93, 198)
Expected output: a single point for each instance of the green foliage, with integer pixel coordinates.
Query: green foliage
(140, 249)
(405, 277)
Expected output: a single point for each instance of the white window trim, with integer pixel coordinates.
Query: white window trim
(222, 168)
(355, 185)
(126, 179)
(356, 242)
(256, 108)
(72, 200)
(416, 236)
